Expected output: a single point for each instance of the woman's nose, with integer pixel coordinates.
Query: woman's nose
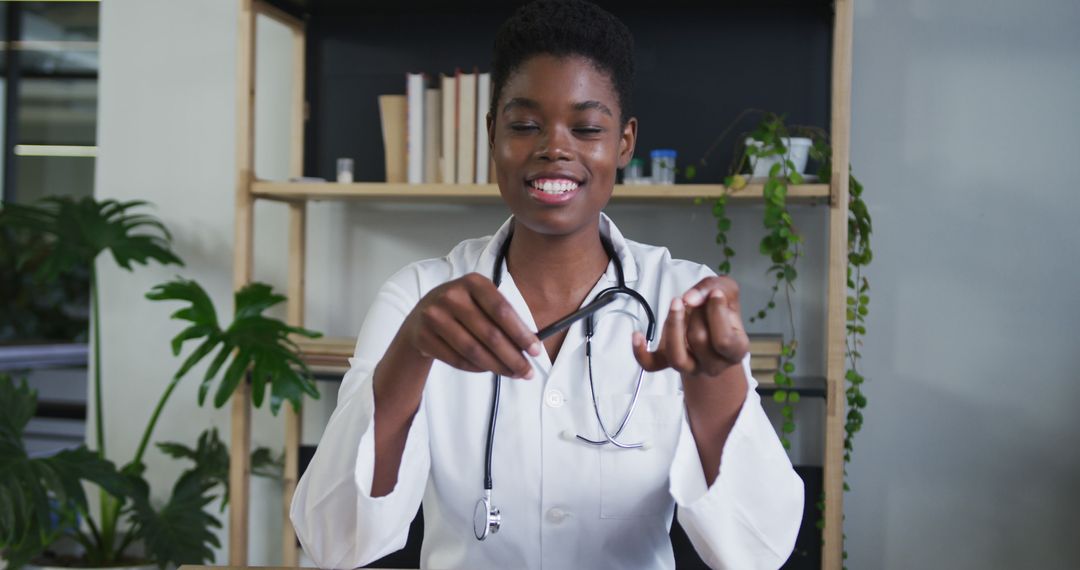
(555, 144)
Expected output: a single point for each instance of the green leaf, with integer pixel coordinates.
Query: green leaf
(780, 396)
(265, 464)
(181, 532)
(79, 229)
(794, 397)
(789, 367)
(788, 427)
(40, 497)
(258, 344)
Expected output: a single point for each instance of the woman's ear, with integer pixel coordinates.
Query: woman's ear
(627, 141)
(491, 130)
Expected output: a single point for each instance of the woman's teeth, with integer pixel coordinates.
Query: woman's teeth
(554, 186)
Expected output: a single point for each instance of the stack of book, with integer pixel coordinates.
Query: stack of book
(765, 356)
(437, 131)
(326, 355)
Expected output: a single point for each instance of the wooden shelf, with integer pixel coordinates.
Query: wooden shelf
(384, 191)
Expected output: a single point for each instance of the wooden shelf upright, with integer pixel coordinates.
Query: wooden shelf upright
(296, 195)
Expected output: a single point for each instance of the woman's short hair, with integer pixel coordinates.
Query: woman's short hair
(565, 28)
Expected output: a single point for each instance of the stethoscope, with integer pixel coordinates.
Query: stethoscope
(487, 519)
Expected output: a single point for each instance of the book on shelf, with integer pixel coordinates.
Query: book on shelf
(766, 344)
(483, 102)
(466, 143)
(392, 115)
(432, 134)
(414, 94)
(764, 362)
(448, 149)
(437, 132)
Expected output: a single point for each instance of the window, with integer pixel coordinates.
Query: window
(49, 74)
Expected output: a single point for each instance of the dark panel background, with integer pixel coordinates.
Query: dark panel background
(699, 64)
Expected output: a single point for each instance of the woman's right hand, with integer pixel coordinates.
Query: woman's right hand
(468, 324)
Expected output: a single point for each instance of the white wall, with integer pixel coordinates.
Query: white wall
(164, 135)
(963, 134)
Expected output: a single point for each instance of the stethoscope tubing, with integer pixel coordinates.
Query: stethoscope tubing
(604, 298)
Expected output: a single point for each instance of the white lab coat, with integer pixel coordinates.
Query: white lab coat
(565, 504)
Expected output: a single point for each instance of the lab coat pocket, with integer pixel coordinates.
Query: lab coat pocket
(635, 481)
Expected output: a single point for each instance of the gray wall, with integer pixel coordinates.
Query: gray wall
(963, 135)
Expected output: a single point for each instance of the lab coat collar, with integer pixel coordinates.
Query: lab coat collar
(486, 262)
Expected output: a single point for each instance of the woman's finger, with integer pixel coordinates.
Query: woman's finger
(699, 293)
(438, 349)
(674, 338)
(495, 340)
(649, 361)
(465, 345)
(726, 335)
(498, 309)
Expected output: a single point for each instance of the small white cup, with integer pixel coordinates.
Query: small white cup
(345, 170)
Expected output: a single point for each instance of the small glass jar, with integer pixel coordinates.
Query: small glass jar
(663, 166)
(634, 172)
(345, 170)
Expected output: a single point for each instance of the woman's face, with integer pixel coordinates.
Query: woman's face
(556, 141)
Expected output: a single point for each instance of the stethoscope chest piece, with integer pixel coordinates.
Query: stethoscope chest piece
(486, 518)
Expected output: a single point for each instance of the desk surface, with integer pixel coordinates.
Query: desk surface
(194, 567)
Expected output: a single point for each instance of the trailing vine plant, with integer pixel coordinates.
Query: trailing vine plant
(782, 246)
(859, 256)
(781, 243)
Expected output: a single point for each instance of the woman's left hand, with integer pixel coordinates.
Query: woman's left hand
(703, 334)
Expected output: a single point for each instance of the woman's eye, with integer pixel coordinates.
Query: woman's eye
(523, 127)
(588, 130)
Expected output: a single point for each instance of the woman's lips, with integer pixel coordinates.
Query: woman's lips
(558, 190)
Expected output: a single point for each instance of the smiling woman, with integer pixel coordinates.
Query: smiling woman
(416, 420)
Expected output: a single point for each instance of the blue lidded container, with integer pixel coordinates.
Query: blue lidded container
(663, 166)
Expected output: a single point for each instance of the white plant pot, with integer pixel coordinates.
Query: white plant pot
(798, 153)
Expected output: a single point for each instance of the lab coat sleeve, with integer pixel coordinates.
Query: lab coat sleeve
(338, 522)
(750, 516)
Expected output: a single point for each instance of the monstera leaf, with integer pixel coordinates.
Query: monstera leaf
(253, 342)
(39, 496)
(77, 230)
(211, 458)
(181, 531)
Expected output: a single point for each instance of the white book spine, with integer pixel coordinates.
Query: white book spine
(483, 101)
(414, 93)
(448, 148)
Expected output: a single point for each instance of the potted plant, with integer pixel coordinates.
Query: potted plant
(771, 143)
(42, 500)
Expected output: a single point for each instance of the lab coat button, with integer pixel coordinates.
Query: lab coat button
(554, 399)
(556, 515)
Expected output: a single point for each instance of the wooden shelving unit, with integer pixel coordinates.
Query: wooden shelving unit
(381, 191)
(298, 194)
